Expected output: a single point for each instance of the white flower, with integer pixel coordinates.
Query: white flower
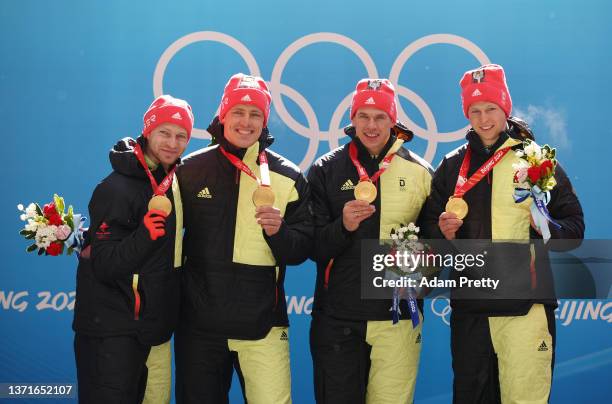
(519, 153)
(404, 229)
(45, 232)
(411, 226)
(20, 207)
(31, 210)
(417, 229)
(32, 225)
(413, 237)
(530, 149)
(394, 236)
(519, 165)
(23, 217)
(534, 151)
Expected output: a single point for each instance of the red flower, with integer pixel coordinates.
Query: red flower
(50, 210)
(55, 220)
(55, 248)
(546, 167)
(534, 174)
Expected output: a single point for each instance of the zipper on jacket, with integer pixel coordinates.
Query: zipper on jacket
(275, 295)
(136, 296)
(276, 270)
(532, 267)
(327, 271)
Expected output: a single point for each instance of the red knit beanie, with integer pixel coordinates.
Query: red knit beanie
(375, 93)
(486, 83)
(167, 109)
(247, 90)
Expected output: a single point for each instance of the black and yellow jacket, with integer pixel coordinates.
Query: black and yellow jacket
(402, 190)
(130, 285)
(234, 273)
(521, 264)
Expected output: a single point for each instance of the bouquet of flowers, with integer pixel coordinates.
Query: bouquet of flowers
(534, 177)
(405, 240)
(52, 229)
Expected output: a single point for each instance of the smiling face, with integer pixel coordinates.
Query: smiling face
(373, 128)
(488, 120)
(166, 143)
(242, 125)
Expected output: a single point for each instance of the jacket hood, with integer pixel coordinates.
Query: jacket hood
(123, 160)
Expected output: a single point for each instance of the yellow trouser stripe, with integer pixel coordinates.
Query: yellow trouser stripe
(524, 351)
(395, 354)
(265, 367)
(159, 379)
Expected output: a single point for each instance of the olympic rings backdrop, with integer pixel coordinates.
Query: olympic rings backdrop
(76, 76)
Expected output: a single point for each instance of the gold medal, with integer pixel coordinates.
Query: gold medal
(458, 206)
(365, 191)
(161, 202)
(263, 196)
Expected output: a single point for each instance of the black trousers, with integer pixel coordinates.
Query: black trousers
(110, 369)
(341, 360)
(475, 361)
(204, 369)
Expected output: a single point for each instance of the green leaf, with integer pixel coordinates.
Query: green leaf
(69, 251)
(30, 236)
(69, 217)
(25, 232)
(41, 251)
(39, 211)
(31, 248)
(59, 203)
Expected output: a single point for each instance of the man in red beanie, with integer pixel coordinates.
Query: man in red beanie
(502, 340)
(246, 217)
(361, 191)
(128, 279)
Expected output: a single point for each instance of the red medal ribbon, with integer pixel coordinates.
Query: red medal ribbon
(239, 164)
(163, 186)
(463, 183)
(363, 174)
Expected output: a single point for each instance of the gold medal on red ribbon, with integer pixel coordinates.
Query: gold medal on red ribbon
(263, 196)
(366, 188)
(365, 191)
(458, 206)
(160, 202)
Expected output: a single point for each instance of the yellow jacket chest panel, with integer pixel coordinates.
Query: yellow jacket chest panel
(250, 247)
(178, 209)
(404, 186)
(509, 220)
